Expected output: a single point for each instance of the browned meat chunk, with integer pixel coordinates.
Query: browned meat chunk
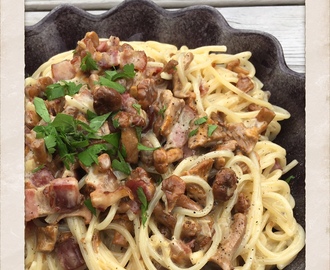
(173, 188)
(140, 178)
(224, 184)
(244, 83)
(46, 238)
(69, 255)
(106, 100)
(130, 142)
(242, 205)
(63, 71)
(246, 137)
(224, 255)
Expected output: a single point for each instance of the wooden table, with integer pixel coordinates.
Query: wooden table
(284, 19)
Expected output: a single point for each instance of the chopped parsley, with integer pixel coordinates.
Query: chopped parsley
(193, 132)
(89, 205)
(201, 120)
(144, 204)
(88, 63)
(110, 77)
(288, 180)
(142, 147)
(211, 129)
(60, 89)
(72, 139)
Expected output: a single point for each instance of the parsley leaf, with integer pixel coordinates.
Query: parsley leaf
(193, 132)
(98, 121)
(111, 84)
(144, 204)
(121, 165)
(142, 147)
(89, 156)
(211, 129)
(110, 76)
(137, 107)
(288, 180)
(88, 63)
(89, 205)
(201, 120)
(41, 109)
(60, 89)
(162, 111)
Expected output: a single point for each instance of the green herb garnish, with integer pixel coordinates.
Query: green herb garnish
(90, 206)
(60, 89)
(201, 120)
(144, 204)
(193, 132)
(88, 63)
(211, 129)
(110, 77)
(41, 109)
(142, 147)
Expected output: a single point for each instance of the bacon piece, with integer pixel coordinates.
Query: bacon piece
(41, 177)
(140, 178)
(180, 253)
(69, 255)
(129, 56)
(63, 194)
(173, 188)
(63, 70)
(178, 136)
(227, 248)
(173, 107)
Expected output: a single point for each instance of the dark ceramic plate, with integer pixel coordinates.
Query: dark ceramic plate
(194, 26)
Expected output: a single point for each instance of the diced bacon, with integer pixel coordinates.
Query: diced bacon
(140, 178)
(41, 177)
(173, 107)
(137, 58)
(179, 133)
(63, 71)
(61, 195)
(69, 255)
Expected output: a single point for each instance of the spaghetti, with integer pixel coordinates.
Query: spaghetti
(181, 171)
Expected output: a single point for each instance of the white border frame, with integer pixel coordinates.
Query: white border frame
(12, 134)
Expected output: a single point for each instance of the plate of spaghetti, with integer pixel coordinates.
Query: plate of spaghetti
(158, 141)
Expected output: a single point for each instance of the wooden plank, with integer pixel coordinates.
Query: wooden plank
(286, 23)
(33, 5)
